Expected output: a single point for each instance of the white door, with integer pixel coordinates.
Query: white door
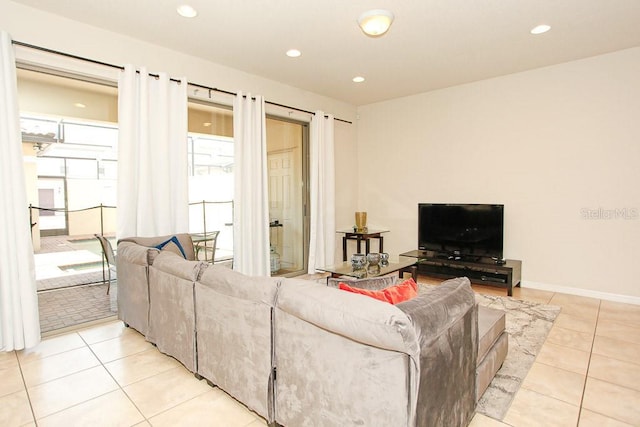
(285, 207)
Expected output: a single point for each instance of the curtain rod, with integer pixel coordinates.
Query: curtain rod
(120, 67)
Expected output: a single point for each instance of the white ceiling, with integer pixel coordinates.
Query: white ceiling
(432, 43)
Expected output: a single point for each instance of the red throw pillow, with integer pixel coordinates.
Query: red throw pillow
(393, 294)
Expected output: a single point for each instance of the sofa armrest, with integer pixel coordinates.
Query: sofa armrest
(133, 253)
(445, 318)
(437, 308)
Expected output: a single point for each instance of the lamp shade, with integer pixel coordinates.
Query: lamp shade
(375, 22)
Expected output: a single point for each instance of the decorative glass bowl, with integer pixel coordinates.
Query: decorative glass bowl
(373, 259)
(358, 261)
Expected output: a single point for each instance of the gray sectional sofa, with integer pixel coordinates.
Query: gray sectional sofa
(300, 353)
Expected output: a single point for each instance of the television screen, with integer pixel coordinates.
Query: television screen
(461, 230)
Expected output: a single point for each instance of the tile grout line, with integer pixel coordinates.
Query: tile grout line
(586, 377)
(100, 363)
(26, 389)
(113, 378)
(55, 379)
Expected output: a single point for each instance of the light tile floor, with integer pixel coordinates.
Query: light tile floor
(588, 370)
(587, 374)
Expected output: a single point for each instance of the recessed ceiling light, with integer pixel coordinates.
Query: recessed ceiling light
(540, 29)
(187, 11)
(293, 53)
(375, 22)
(358, 79)
(79, 105)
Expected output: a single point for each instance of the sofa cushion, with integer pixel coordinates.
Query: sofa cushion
(362, 319)
(490, 364)
(491, 324)
(237, 285)
(393, 294)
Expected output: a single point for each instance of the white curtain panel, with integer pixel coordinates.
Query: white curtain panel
(323, 200)
(19, 320)
(251, 197)
(153, 195)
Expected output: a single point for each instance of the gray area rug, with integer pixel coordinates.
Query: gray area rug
(528, 324)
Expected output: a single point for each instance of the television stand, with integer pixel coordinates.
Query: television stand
(480, 271)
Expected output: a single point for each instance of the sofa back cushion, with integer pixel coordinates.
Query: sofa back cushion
(327, 379)
(365, 320)
(183, 238)
(234, 330)
(238, 285)
(171, 263)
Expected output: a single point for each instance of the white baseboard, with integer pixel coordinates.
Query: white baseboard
(627, 299)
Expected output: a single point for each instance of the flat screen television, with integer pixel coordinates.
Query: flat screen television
(461, 231)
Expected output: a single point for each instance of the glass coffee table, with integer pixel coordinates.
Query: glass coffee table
(401, 265)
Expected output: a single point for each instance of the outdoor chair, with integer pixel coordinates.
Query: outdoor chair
(205, 243)
(109, 256)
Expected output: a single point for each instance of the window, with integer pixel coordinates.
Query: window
(210, 153)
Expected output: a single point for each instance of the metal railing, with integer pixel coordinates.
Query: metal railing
(213, 216)
(67, 212)
(83, 225)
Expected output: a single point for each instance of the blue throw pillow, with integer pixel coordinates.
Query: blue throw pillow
(176, 242)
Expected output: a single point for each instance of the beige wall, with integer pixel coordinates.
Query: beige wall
(57, 98)
(547, 143)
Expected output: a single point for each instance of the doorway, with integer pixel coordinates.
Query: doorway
(288, 195)
(52, 200)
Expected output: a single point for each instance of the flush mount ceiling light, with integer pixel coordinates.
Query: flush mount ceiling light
(358, 79)
(540, 29)
(293, 53)
(79, 105)
(187, 11)
(375, 22)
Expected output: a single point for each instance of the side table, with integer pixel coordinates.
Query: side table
(359, 237)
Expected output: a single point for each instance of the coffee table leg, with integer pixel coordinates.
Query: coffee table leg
(413, 269)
